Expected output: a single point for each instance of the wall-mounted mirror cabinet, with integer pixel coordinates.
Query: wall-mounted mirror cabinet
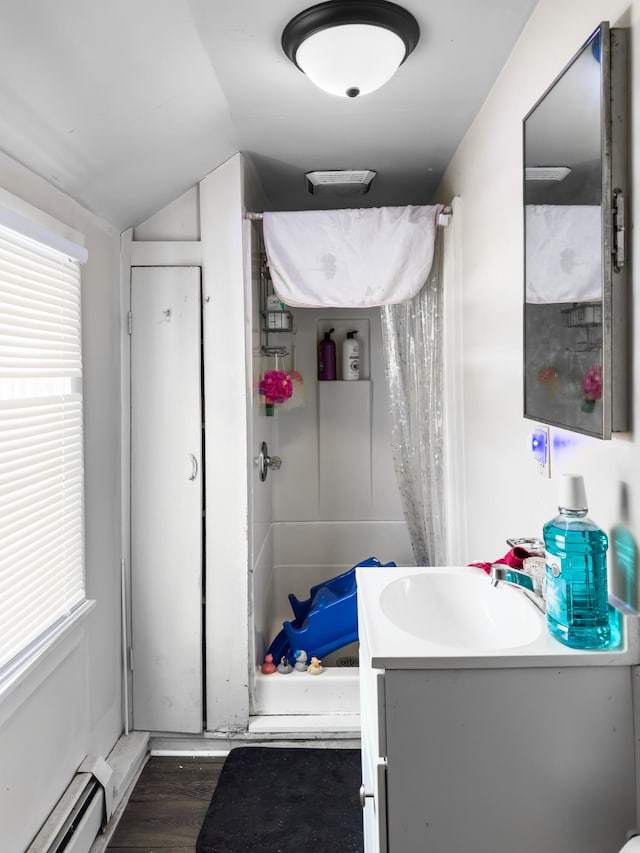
(575, 187)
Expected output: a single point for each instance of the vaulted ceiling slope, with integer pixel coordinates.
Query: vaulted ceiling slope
(125, 104)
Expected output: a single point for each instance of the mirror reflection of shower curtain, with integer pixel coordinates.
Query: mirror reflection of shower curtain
(412, 334)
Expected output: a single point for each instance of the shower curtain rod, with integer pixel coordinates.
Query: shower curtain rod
(446, 211)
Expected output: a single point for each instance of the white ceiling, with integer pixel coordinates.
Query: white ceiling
(125, 104)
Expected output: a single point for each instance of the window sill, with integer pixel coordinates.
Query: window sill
(39, 662)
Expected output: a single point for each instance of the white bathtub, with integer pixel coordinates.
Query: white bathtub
(297, 556)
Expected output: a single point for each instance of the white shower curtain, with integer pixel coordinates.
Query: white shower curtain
(412, 333)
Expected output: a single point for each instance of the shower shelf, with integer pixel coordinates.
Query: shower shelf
(275, 352)
(274, 317)
(275, 349)
(277, 322)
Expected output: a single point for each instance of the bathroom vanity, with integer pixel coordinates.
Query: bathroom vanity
(480, 732)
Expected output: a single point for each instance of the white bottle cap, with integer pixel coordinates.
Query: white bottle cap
(573, 495)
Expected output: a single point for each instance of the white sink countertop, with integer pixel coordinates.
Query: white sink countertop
(451, 617)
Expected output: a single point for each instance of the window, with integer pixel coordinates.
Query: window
(41, 444)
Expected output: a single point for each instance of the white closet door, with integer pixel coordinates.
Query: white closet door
(166, 499)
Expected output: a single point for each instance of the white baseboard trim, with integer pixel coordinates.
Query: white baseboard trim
(127, 760)
(293, 733)
(316, 725)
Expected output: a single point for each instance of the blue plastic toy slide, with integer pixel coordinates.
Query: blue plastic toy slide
(326, 621)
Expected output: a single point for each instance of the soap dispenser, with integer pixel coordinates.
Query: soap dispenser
(351, 357)
(576, 571)
(327, 357)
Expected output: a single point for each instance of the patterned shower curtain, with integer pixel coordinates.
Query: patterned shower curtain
(412, 334)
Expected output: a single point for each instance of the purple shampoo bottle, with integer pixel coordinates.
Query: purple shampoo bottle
(327, 357)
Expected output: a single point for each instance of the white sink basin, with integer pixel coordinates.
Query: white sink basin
(461, 611)
(450, 617)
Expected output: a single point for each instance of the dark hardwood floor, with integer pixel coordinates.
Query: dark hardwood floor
(168, 804)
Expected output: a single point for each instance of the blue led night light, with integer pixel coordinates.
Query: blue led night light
(539, 446)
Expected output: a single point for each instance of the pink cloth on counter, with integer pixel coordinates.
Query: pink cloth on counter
(513, 558)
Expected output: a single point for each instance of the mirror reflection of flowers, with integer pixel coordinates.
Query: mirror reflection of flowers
(592, 387)
(276, 386)
(547, 375)
(592, 382)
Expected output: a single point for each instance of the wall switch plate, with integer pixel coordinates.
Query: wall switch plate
(541, 450)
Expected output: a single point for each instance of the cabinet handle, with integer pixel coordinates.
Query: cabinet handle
(619, 228)
(363, 796)
(194, 467)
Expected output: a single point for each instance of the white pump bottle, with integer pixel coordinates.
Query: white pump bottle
(351, 357)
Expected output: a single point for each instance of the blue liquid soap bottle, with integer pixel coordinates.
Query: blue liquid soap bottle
(576, 571)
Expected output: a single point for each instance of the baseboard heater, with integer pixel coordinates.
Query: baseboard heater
(94, 799)
(76, 820)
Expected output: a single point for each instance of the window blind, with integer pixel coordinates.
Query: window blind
(41, 443)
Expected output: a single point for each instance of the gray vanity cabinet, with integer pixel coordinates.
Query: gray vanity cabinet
(481, 760)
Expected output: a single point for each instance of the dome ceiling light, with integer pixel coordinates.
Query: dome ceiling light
(350, 48)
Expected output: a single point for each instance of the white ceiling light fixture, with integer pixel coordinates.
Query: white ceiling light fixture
(350, 48)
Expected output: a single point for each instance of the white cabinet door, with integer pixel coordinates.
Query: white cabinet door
(374, 750)
(375, 808)
(166, 499)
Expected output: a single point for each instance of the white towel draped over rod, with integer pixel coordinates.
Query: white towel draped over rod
(351, 257)
(562, 254)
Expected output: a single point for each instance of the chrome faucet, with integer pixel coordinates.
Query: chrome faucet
(532, 586)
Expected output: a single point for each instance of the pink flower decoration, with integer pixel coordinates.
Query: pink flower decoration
(276, 386)
(592, 383)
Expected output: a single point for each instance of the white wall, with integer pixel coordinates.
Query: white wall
(178, 221)
(231, 439)
(505, 494)
(366, 491)
(70, 706)
(262, 428)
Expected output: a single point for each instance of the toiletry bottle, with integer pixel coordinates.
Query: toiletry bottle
(277, 315)
(351, 357)
(327, 357)
(576, 571)
(274, 303)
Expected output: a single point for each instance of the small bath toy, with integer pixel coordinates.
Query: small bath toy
(268, 666)
(301, 660)
(284, 666)
(315, 667)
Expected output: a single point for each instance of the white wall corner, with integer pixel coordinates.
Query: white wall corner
(226, 432)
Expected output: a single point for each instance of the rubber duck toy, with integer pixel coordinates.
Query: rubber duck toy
(315, 667)
(301, 660)
(284, 666)
(268, 666)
